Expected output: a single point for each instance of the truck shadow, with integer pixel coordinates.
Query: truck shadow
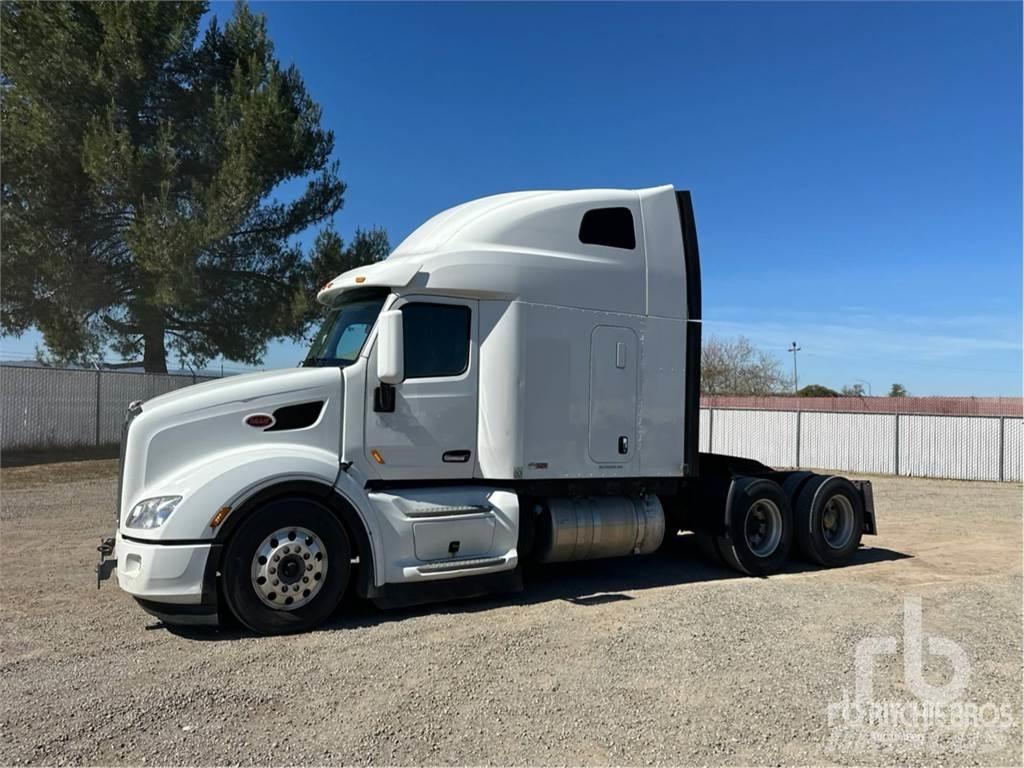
(597, 582)
(586, 583)
(679, 564)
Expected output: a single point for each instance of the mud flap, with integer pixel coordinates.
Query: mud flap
(864, 486)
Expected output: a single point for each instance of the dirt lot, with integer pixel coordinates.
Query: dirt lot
(658, 660)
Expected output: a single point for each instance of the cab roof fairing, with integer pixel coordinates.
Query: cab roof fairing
(517, 245)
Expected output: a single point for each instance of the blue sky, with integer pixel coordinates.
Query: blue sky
(856, 168)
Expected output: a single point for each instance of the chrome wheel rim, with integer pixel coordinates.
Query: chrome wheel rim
(289, 568)
(837, 521)
(763, 527)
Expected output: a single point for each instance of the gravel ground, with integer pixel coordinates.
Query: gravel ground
(657, 660)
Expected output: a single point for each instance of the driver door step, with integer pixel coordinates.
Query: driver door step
(443, 566)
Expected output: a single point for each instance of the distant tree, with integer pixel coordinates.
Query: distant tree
(816, 390)
(897, 390)
(853, 390)
(739, 368)
(331, 256)
(141, 171)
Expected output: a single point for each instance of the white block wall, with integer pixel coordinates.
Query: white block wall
(856, 442)
(954, 447)
(1013, 449)
(963, 447)
(704, 441)
(767, 436)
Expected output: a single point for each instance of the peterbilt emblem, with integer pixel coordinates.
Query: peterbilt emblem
(259, 420)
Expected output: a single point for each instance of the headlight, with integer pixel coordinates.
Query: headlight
(152, 513)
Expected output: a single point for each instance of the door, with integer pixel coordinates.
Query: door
(613, 390)
(427, 430)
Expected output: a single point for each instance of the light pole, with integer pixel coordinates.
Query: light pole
(794, 349)
(865, 381)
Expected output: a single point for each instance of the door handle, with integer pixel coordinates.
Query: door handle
(384, 398)
(455, 457)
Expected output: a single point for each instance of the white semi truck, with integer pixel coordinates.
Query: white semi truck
(518, 381)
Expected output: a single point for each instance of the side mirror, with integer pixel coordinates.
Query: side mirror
(390, 347)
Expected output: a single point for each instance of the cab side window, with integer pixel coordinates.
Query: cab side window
(436, 339)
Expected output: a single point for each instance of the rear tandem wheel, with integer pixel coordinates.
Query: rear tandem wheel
(760, 527)
(829, 520)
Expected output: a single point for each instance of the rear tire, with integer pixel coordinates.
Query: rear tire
(760, 527)
(708, 545)
(793, 484)
(829, 520)
(286, 567)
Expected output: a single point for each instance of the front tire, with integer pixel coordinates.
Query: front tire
(287, 566)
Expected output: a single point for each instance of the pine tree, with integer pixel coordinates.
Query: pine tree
(141, 173)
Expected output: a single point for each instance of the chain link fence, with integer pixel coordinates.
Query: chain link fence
(63, 408)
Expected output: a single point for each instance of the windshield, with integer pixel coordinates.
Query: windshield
(345, 329)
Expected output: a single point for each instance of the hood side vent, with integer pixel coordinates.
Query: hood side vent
(296, 416)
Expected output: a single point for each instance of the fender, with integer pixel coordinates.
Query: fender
(228, 479)
(329, 495)
(240, 479)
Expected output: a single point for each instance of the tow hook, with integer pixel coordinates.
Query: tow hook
(107, 563)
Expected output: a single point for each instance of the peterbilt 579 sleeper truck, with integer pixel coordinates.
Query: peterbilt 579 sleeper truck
(518, 381)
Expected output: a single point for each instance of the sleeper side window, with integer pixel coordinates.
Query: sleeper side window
(436, 339)
(611, 227)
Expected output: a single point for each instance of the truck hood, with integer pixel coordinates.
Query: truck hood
(248, 388)
(169, 445)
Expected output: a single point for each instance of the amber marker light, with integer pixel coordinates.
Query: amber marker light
(376, 456)
(219, 517)
(360, 279)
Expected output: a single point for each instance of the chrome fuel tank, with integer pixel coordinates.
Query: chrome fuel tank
(591, 527)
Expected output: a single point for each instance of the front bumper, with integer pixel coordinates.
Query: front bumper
(162, 573)
(175, 582)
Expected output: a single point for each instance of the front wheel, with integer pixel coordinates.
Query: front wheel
(287, 567)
